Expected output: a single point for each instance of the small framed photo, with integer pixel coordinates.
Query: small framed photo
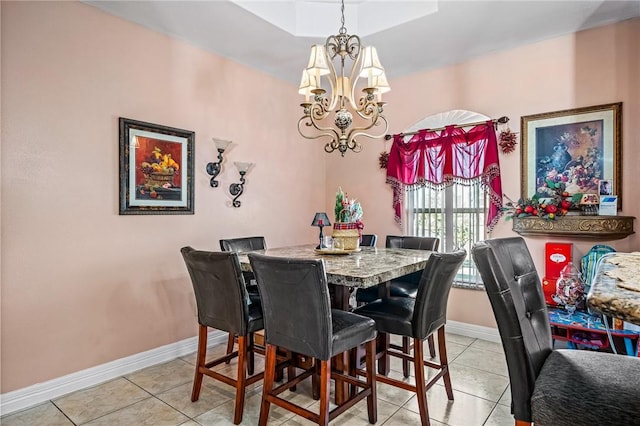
(156, 169)
(605, 187)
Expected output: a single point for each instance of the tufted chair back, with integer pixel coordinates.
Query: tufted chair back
(219, 289)
(295, 304)
(517, 299)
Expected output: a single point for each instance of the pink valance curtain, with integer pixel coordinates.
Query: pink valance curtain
(438, 159)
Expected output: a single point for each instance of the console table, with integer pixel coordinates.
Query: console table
(582, 328)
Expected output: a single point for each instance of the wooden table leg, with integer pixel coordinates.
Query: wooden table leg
(383, 340)
(340, 301)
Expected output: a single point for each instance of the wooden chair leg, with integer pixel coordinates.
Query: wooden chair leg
(315, 380)
(241, 379)
(250, 356)
(421, 391)
(372, 400)
(325, 385)
(406, 348)
(230, 342)
(442, 348)
(291, 368)
(200, 362)
(269, 376)
(432, 347)
(384, 361)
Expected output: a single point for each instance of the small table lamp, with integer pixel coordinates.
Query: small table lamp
(321, 220)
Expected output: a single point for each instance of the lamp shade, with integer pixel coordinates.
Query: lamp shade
(321, 219)
(370, 63)
(242, 167)
(380, 83)
(318, 61)
(221, 143)
(308, 82)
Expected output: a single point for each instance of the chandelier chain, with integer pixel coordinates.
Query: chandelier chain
(343, 29)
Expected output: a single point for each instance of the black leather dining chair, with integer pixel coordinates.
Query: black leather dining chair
(222, 304)
(405, 286)
(242, 245)
(418, 319)
(298, 317)
(368, 240)
(550, 387)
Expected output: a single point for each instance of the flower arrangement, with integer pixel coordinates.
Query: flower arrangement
(347, 210)
(549, 203)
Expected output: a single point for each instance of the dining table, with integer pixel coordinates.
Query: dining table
(348, 270)
(615, 290)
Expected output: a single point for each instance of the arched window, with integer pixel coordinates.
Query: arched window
(455, 212)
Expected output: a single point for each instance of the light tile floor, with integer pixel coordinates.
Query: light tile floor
(160, 395)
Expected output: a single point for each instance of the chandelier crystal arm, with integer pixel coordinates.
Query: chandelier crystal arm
(307, 121)
(356, 132)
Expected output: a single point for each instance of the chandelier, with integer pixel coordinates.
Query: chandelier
(351, 117)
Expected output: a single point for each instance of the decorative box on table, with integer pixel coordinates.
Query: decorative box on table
(348, 235)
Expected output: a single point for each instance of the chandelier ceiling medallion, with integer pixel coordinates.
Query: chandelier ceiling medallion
(340, 104)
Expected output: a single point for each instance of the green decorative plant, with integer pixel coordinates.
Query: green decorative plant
(550, 203)
(347, 210)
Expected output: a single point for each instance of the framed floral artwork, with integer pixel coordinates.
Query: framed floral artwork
(579, 147)
(156, 169)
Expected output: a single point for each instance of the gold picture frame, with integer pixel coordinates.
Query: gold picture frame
(579, 147)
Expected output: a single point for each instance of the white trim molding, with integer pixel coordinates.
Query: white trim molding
(472, 330)
(51, 389)
(42, 392)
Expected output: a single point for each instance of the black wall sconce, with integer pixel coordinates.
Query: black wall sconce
(214, 168)
(236, 189)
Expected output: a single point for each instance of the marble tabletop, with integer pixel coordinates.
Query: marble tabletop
(366, 268)
(607, 297)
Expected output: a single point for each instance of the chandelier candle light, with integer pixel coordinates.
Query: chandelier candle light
(341, 101)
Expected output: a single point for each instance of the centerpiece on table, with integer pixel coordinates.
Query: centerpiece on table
(348, 226)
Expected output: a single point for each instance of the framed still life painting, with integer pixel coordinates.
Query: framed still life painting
(156, 169)
(578, 147)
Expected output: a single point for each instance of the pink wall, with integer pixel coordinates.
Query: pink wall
(588, 68)
(81, 285)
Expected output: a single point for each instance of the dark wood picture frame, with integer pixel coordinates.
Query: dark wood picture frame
(579, 147)
(156, 169)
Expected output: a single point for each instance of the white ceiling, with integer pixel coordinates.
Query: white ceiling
(410, 36)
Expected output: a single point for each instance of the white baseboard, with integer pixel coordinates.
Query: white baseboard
(472, 330)
(42, 392)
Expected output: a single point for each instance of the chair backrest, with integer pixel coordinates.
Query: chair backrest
(368, 240)
(240, 245)
(221, 296)
(517, 299)
(413, 243)
(295, 303)
(430, 309)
